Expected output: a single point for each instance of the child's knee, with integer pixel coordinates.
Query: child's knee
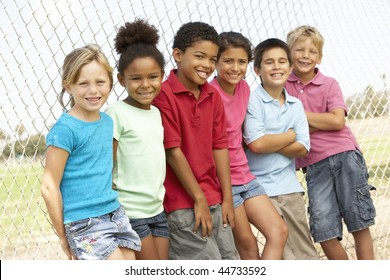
(281, 233)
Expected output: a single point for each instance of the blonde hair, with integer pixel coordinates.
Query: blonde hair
(73, 64)
(306, 31)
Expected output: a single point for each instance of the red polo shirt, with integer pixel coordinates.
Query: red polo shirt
(197, 127)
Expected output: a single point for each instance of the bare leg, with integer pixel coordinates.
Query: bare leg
(334, 250)
(122, 254)
(262, 214)
(363, 244)
(148, 249)
(162, 246)
(153, 248)
(244, 239)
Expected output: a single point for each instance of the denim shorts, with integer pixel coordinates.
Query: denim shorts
(97, 238)
(338, 190)
(246, 191)
(156, 226)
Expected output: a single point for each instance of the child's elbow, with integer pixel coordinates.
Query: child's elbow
(302, 153)
(339, 123)
(256, 147)
(45, 192)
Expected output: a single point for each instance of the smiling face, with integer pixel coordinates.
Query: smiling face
(305, 57)
(196, 64)
(142, 79)
(231, 67)
(274, 70)
(89, 92)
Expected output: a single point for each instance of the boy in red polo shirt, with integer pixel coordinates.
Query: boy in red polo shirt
(198, 198)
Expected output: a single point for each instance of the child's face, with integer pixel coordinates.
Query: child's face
(305, 57)
(196, 63)
(142, 79)
(232, 66)
(90, 92)
(274, 68)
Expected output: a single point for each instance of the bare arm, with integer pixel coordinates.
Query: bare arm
(271, 143)
(54, 169)
(115, 148)
(182, 169)
(294, 150)
(222, 163)
(334, 120)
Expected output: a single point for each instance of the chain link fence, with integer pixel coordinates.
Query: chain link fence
(36, 36)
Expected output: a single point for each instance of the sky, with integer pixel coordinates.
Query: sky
(36, 36)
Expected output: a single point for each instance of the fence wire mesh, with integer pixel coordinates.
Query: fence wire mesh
(36, 36)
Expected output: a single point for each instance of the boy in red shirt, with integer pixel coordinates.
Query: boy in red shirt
(198, 198)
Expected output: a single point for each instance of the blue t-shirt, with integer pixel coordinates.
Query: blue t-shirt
(275, 171)
(86, 185)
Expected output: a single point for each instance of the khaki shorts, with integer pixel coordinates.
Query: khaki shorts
(299, 245)
(188, 245)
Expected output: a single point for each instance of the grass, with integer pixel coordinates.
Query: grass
(373, 136)
(23, 209)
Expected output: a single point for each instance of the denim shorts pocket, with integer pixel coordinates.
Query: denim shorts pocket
(357, 157)
(80, 226)
(310, 174)
(366, 206)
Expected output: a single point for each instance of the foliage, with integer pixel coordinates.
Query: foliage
(369, 104)
(32, 147)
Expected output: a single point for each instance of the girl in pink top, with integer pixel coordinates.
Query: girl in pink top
(251, 203)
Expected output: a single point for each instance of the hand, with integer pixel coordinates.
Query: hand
(312, 129)
(65, 247)
(291, 133)
(228, 214)
(203, 218)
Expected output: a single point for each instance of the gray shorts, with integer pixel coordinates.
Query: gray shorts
(188, 245)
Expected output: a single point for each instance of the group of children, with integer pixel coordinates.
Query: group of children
(183, 168)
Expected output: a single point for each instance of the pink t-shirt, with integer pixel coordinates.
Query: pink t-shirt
(235, 110)
(197, 126)
(321, 95)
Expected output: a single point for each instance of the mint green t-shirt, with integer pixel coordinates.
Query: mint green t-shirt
(139, 170)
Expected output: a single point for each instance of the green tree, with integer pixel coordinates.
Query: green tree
(5, 150)
(370, 103)
(19, 131)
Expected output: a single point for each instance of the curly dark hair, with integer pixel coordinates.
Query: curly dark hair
(137, 39)
(191, 32)
(234, 40)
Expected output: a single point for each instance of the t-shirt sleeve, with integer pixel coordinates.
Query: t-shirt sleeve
(254, 126)
(335, 98)
(115, 116)
(302, 127)
(170, 119)
(61, 136)
(220, 139)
